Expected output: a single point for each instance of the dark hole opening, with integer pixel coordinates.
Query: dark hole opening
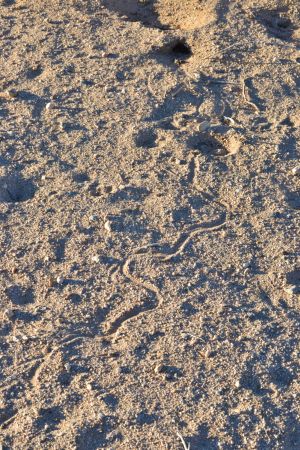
(182, 48)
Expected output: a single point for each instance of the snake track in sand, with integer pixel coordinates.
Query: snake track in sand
(177, 248)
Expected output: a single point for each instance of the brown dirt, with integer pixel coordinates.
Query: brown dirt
(149, 210)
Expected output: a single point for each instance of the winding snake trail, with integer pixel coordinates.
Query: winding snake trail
(177, 248)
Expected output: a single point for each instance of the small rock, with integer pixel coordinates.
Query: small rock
(8, 314)
(12, 93)
(59, 280)
(296, 171)
(96, 258)
(292, 290)
(49, 106)
(204, 126)
(170, 373)
(180, 162)
(159, 368)
(107, 226)
(229, 120)
(92, 218)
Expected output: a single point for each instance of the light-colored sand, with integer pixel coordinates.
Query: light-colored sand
(149, 214)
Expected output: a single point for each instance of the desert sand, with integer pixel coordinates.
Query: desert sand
(149, 218)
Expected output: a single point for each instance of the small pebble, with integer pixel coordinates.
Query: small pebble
(180, 162)
(292, 290)
(159, 368)
(59, 280)
(12, 93)
(204, 126)
(296, 171)
(8, 314)
(49, 106)
(107, 226)
(96, 258)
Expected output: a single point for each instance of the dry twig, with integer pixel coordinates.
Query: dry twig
(185, 445)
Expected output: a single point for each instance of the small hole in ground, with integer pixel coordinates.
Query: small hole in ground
(181, 48)
(177, 48)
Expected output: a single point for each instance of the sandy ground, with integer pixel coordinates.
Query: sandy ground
(149, 213)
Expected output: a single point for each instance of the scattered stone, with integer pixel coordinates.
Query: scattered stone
(296, 171)
(96, 258)
(93, 218)
(229, 120)
(292, 290)
(12, 93)
(107, 226)
(180, 162)
(8, 314)
(59, 280)
(171, 373)
(204, 126)
(49, 106)
(159, 368)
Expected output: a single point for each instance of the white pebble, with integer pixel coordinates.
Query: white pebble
(292, 290)
(96, 258)
(296, 171)
(107, 226)
(59, 280)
